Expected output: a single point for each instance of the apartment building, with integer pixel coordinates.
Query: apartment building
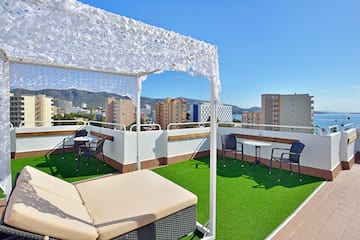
(121, 111)
(290, 110)
(201, 112)
(33, 110)
(171, 111)
(251, 118)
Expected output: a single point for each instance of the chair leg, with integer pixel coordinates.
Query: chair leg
(97, 164)
(279, 176)
(223, 158)
(242, 155)
(63, 151)
(270, 167)
(78, 164)
(300, 179)
(291, 171)
(103, 159)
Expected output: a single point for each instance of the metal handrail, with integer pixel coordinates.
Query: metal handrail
(145, 125)
(346, 126)
(186, 123)
(52, 121)
(121, 126)
(280, 126)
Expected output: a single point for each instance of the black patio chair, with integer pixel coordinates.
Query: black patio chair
(290, 156)
(92, 151)
(230, 144)
(66, 144)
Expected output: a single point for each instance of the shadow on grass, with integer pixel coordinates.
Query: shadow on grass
(258, 173)
(63, 168)
(66, 168)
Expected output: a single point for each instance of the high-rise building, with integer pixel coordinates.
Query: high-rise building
(170, 111)
(33, 110)
(200, 112)
(290, 110)
(121, 111)
(251, 118)
(147, 114)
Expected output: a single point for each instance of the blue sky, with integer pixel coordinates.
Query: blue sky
(280, 46)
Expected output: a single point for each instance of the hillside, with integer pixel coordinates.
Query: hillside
(97, 99)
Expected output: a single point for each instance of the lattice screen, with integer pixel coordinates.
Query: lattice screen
(36, 77)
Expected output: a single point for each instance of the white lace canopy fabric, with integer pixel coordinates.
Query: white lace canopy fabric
(69, 33)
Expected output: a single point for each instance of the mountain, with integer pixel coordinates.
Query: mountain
(97, 99)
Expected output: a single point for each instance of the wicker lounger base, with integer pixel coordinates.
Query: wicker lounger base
(173, 226)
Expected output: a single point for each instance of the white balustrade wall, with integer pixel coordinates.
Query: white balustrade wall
(321, 151)
(188, 146)
(347, 150)
(40, 143)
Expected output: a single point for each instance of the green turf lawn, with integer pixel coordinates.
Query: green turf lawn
(250, 203)
(61, 168)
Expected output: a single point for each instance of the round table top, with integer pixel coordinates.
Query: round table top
(256, 143)
(82, 139)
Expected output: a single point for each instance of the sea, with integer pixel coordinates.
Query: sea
(325, 120)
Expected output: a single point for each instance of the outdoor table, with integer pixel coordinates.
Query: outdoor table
(257, 145)
(80, 141)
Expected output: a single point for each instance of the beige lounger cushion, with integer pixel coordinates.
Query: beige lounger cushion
(122, 203)
(36, 210)
(49, 183)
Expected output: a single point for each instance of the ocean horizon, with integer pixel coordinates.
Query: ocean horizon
(325, 120)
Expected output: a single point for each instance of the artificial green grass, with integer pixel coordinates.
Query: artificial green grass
(250, 203)
(61, 168)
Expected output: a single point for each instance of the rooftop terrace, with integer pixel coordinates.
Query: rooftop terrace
(324, 157)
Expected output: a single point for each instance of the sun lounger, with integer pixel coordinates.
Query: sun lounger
(136, 205)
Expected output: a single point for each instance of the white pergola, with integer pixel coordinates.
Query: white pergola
(64, 44)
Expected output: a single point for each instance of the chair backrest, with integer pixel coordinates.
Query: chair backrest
(296, 147)
(100, 145)
(229, 141)
(81, 133)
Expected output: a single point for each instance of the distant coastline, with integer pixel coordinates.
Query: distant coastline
(327, 119)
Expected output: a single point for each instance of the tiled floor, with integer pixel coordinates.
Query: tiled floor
(332, 213)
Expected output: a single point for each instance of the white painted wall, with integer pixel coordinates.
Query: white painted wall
(152, 145)
(28, 144)
(181, 147)
(347, 151)
(113, 149)
(320, 151)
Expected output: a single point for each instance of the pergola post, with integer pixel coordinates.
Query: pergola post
(213, 160)
(5, 155)
(138, 118)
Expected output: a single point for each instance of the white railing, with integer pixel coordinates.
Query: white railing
(314, 130)
(116, 126)
(22, 123)
(190, 124)
(146, 127)
(347, 126)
